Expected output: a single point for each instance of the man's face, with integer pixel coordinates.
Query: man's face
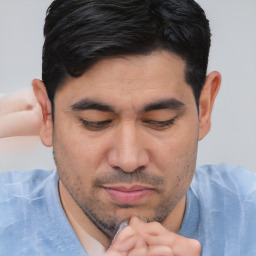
(125, 138)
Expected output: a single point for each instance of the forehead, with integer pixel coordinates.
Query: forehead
(137, 67)
(141, 78)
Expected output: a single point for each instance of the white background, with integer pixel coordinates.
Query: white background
(233, 53)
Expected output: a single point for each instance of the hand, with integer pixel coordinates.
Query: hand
(151, 239)
(127, 242)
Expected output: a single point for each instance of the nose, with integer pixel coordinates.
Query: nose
(128, 151)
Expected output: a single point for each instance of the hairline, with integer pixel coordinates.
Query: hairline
(123, 56)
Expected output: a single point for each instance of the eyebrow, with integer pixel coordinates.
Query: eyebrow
(86, 104)
(171, 104)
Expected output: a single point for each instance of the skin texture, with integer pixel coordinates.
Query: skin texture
(130, 149)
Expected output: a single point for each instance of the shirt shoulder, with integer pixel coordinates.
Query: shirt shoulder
(235, 180)
(16, 176)
(31, 216)
(221, 210)
(21, 182)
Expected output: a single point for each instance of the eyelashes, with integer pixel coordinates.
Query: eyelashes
(161, 124)
(154, 124)
(95, 125)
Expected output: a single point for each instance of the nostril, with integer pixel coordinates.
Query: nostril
(118, 169)
(136, 170)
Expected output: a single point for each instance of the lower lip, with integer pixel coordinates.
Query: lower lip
(128, 197)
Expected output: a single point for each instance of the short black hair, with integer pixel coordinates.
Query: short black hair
(79, 33)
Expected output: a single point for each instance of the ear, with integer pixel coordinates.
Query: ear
(207, 98)
(43, 100)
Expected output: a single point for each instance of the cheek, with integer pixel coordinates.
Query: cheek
(77, 150)
(175, 158)
(177, 149)
(179, 169)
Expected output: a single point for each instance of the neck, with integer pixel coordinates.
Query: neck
(79, 221)
(82, 224)
(174, 220)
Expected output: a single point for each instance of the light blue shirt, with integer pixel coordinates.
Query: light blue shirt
(220, 213)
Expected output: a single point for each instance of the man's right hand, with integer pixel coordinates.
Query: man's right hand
(151, 239)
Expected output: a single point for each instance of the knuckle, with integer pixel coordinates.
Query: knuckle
(138, 252)
(156, 225)
(126, 233)
(160, 250)
(196, 245)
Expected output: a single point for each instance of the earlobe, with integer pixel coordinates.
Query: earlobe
(207, 98)
(43, 100)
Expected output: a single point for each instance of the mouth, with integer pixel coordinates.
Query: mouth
(128, 194)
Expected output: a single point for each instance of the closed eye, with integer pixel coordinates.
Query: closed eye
(160, 124)
(100, 125)
(95, 125)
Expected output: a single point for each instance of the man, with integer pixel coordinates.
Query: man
(125, 99)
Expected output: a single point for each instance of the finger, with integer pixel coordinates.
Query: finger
(140, 242)
(151, 251)
(152, 228)
(139, 252)
(125, 240)
(128, 239)
(156, 250)
(112, 252)
(191, 247)
(155, 234)
(180, 246)
(121, 249)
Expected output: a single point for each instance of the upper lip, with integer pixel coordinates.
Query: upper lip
(128, 188)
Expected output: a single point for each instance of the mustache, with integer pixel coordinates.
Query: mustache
(120, 176)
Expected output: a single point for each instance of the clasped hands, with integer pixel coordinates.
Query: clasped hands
(151, 239)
